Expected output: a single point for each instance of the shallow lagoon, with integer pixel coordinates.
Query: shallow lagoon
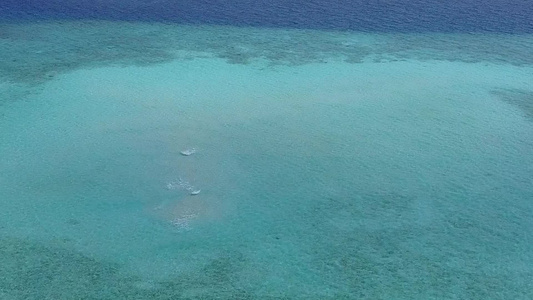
(331, 164)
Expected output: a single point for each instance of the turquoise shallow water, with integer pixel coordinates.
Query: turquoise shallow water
(331, 165)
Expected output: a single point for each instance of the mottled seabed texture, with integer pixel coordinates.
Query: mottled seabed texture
(347, 158)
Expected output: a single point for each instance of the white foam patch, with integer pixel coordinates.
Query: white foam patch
(188, 152)
(183, 222)
(182, 184)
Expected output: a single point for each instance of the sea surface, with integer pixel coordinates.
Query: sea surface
(243, 149)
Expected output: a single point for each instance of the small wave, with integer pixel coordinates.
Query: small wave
(188, 152)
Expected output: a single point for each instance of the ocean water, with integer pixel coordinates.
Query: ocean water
(387, 158)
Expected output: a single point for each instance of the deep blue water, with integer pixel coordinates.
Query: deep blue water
(514, 16)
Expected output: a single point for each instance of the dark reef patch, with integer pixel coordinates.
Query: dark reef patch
(33, 53)
(522, 99)
(31, 270)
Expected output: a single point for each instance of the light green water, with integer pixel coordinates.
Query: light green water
(331, 165)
